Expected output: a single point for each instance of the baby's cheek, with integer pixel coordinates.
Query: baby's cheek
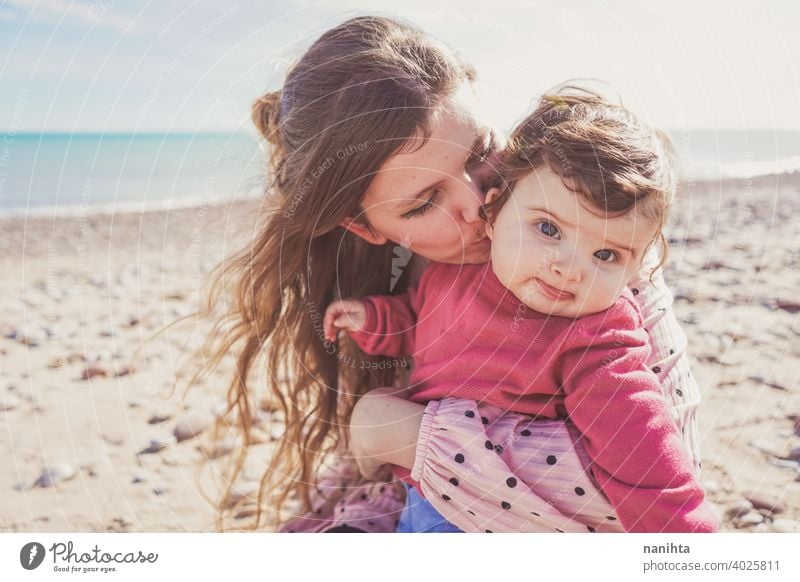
(605, 291)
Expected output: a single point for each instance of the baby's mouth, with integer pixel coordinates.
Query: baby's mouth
(552, 292)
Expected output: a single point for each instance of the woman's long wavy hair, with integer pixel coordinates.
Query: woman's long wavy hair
(354, 99)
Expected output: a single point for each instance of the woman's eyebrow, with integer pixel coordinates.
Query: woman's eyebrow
(478, 145)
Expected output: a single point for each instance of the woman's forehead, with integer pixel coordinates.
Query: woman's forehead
(453, 137)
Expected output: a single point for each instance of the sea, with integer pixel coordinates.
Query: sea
(43, 173)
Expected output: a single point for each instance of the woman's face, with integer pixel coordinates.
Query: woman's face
(427, 200)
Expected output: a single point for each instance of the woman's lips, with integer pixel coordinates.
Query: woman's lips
(483, 241)
(552, 292)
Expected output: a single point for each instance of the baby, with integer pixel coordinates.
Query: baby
(548, 327)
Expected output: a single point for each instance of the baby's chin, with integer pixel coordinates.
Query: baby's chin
(572, 308)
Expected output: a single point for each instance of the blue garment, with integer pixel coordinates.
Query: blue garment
(419, 516)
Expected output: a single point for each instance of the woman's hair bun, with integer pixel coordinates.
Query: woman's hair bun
(265, 114)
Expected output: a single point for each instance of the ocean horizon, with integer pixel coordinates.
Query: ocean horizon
(84, 172)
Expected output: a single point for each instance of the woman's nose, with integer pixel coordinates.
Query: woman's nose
(471, 202)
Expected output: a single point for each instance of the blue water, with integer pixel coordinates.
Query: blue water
(80, 171)
(40, 171)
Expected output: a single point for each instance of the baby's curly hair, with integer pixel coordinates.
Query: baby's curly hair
(601, 151)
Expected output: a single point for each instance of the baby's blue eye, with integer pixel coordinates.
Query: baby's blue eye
(547, 228)
(606, 255)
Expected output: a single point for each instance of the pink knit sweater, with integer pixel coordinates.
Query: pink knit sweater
(472, 338)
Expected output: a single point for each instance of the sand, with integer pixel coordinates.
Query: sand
(80, 292)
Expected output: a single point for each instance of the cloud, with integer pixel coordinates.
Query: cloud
(97, 14)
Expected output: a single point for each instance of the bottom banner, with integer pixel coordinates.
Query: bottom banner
(390, 557)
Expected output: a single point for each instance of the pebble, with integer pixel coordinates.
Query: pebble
(787, 305)
(157, 445)
(245, 490)
(191, 426)
(220, 448)
(738, 508)
(94, 371)
(55, 363)
(760, 501)
(124, 371)
(248, 511)
(53, 474)
(794, 454)
(113, 439)
(752, 518)
(761, 379)
(711, 486)
(159, 418)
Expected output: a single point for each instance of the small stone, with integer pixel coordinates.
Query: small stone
(249, 511)
(788, 305)
(246, 490)
(738, 508)
(158, 418)
(157, 445)
(794, 454)
(55, 363)
(191, 426)
(53, 474)
(217, 450)
(124, 370)
(760, 501)
(711, 486)
(752, 518)
(94, 371)
(113, 438)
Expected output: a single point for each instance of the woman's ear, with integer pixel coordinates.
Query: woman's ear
(363, 231)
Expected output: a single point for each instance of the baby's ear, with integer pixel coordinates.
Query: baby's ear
(491, 195)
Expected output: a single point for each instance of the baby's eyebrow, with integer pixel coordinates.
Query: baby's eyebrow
(551, 213)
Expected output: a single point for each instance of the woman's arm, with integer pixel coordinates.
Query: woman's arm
(384, 429)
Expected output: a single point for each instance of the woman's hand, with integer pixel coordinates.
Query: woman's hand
(347, 314)
(384, 429)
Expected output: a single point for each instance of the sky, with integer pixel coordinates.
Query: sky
(182, 66)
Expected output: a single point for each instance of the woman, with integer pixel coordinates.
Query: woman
(376, 152)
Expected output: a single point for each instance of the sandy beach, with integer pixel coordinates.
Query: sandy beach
(93, 441)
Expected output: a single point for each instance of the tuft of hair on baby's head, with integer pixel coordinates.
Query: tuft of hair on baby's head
(601, 150)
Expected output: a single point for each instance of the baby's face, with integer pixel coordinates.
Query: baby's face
(560, 256)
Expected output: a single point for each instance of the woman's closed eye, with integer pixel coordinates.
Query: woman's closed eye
(548, 229)
(427, 205)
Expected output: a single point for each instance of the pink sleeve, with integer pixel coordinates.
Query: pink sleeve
(390, 329)
(638, 456)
